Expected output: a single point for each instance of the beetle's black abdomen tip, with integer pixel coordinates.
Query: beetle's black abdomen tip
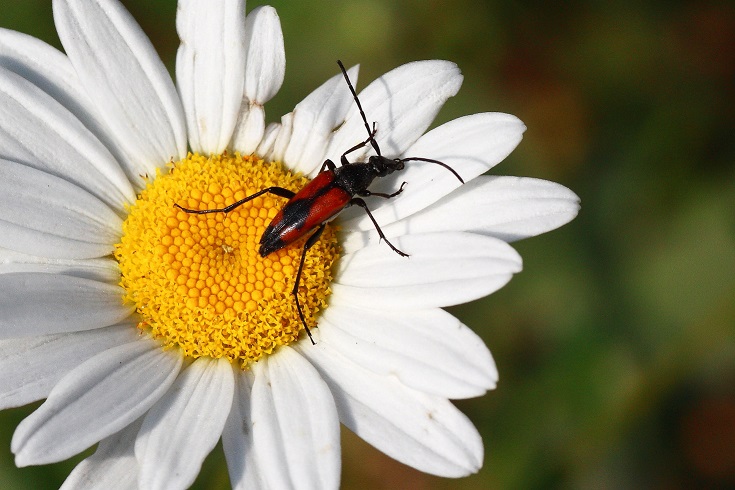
(269, 247)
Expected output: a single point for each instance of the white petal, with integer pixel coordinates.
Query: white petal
(267, 142)
(102, 270)
(265, 66)
(265, 63)
(422, 431)
(113, 465)
(314, 120)
(39, 304)
(470, 145)
(443, 269)
(508, 208)
(32, 366)
(295, 425)
(97, 399)
(50, 70)
(209, 70)
(38, 131)
(185, 425)
(249, 130)
(429, 350)
(237, 438)
(281, 138)
(41, 214)
(403, 102)
(125, 79)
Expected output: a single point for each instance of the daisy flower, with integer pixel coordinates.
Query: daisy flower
(153, 333)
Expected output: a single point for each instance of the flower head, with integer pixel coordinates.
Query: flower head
(154, 331)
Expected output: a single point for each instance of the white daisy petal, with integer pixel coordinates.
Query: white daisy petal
(443, 269)
(102, 270)
(267, 143)
(32, 366)
(113, 465)
(508, 208)
(209, 70)
(185, 425)
(41, 214)
(237, 438)
(40, 304)
(314, 120)
(295, 424)
(470, 145)
(38, 131)
(266, 57)
(422, 431)
(428, 350)
(403, 102)
(126, 80)
(249, 130)
(265, 66)
(97, 399)
(50, 70)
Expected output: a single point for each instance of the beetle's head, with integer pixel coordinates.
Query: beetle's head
(383, 166)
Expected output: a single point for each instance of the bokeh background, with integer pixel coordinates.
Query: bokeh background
(616, 344)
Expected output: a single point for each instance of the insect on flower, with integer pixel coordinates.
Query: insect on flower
(321, 200)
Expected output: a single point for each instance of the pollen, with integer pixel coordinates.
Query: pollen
(197, 280)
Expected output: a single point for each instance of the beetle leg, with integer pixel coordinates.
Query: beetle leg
(361, 203)
(307, 245)
(371, 139)
(277, 191)
(328, 163)
(367, 193)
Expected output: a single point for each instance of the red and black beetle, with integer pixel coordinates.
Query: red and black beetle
(332, 190)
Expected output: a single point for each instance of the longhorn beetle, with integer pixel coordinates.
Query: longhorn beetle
(332, 190)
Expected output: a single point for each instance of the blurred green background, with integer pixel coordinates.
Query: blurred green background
(616, 344)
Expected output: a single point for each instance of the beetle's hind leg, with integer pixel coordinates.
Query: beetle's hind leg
(309, 243)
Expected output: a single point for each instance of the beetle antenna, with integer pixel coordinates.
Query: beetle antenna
(419, 159)
(359, 106)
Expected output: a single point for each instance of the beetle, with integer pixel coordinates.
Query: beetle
(328, 194)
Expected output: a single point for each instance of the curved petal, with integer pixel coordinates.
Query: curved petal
(507, 208)
(209, 70)
(32, 366)
(237, 438)
(38, 131)
(295, 424)
(314, 120)
(113, 465)
(265, 66)
(97, 399)
(41, 214)
(403, 103)
(265, 63)
(185, 425)
(443, 269)
(471, 145)
(125, 79)
(428, 350)
(50, 70)
(102, 270)
(422, 431)
(35, 303)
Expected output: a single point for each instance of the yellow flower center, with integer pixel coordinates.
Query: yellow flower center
(197, 280)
